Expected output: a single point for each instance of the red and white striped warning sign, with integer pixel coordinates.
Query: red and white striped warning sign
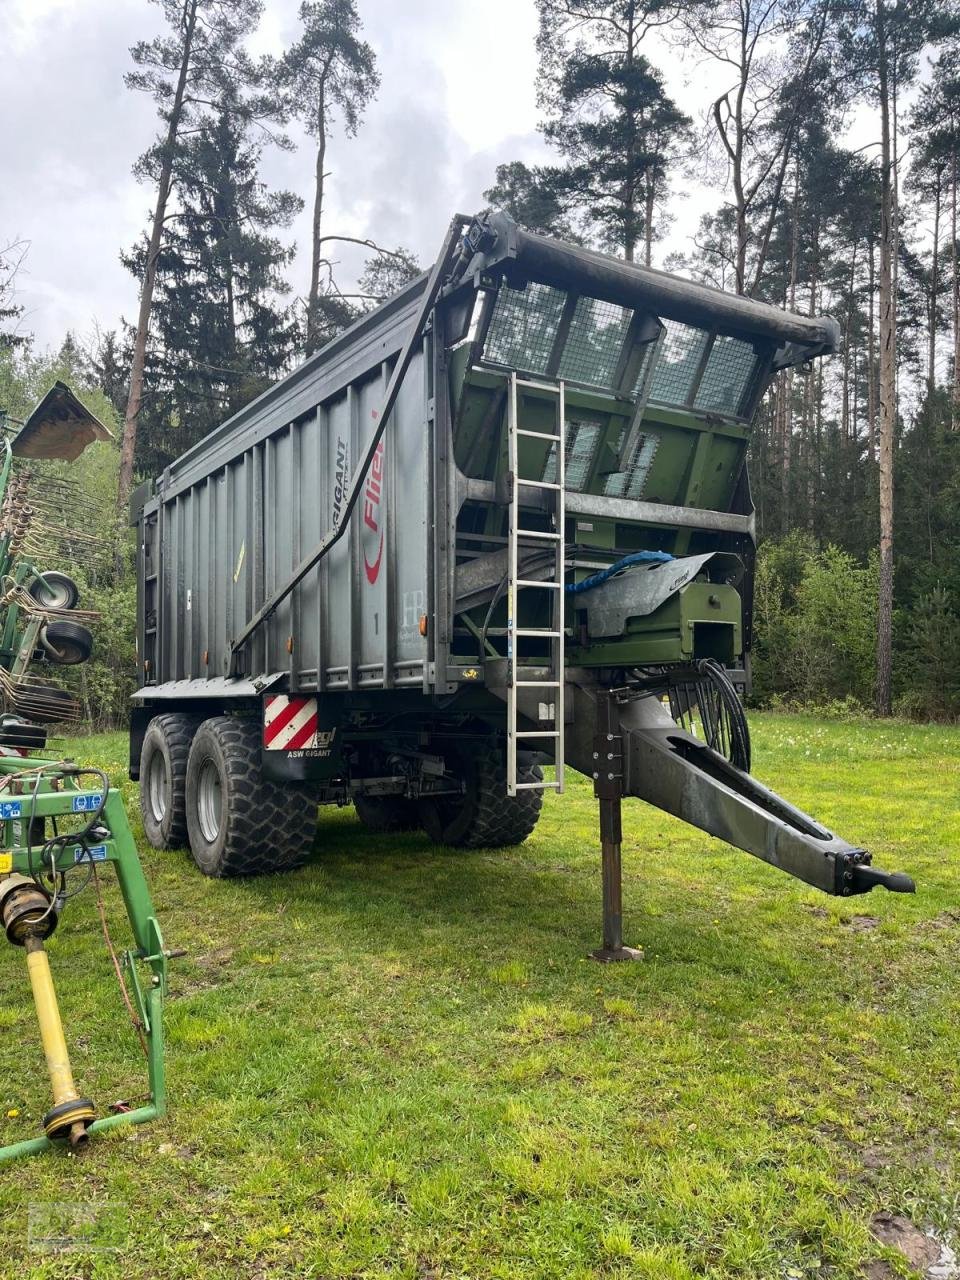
(289, 724)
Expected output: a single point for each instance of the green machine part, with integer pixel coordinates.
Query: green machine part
(678, 459)
(702, 620)
(35, 791)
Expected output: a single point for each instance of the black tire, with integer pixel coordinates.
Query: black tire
(55, 590)
(163, 779)
(484, 816)
(66, 644)
(240, 823)
(387, 813)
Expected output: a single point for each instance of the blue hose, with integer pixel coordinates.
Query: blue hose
(597, 579)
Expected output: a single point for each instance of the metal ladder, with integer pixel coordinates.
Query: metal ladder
(551, 708)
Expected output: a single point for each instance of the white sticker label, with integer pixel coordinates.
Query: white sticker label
(95, 853)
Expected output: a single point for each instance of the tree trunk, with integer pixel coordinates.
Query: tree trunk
(888, 364)
(934, 281)
(128, 442)
(313, 301)
(630, 185)
(812, 388)
(955, 266)
(648, 222)
(872, 359)
(846, 430)
(786, 383)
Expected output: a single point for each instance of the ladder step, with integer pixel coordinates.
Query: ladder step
(550, 689)
(538, 435)
(539, 386)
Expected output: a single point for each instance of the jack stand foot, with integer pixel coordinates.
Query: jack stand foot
(608, 788)
(611, 955)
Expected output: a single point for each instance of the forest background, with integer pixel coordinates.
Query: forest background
(855, 465)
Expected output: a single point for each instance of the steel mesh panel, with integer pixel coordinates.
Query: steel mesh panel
(523, 327)
(580, 446)
(681, 351)
(630, 483)
(729, 371)
(592, 349)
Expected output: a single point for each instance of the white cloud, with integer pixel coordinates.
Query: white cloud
(457, 98)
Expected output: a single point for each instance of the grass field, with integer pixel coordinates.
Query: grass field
(398, 1061)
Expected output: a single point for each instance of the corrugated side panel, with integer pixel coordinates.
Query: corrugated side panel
(234, 536)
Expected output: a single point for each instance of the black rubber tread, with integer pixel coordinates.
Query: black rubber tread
(40, 590)
(485, 817)
(265, 826)
(173, 734)
(387, 813)
(66, 644)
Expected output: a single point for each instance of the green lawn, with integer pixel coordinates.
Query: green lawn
(399, 1062)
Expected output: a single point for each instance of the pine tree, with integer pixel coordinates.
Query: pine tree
(329, 72)
(757, 119)
(881, 43)
(609, 117)
(935, 124)
(386, 273)
(181, 71)
(110, 368)
(532, 198)
(223, 332)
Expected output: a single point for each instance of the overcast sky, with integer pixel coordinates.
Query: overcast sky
(457, 98)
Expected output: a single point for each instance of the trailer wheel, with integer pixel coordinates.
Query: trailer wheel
(66, 643)
(484, 816)
(240, 823)
(387, 813)
(55, 590)
(163, 779)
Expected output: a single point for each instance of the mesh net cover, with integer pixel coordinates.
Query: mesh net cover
(679, 359)
(523, 327)
(591, 352)
(581, 444)
(727, 377)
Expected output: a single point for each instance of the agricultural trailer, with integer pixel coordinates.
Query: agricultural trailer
(504, 520)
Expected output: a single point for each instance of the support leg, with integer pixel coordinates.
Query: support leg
(608, 787)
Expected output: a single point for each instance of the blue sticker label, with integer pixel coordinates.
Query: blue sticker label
(95, 853)
(87, 804)
(10, 809)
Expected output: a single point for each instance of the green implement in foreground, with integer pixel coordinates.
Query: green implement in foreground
(57, 831)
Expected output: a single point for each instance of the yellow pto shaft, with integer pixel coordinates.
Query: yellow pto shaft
(70, 1114)
(29, 918)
